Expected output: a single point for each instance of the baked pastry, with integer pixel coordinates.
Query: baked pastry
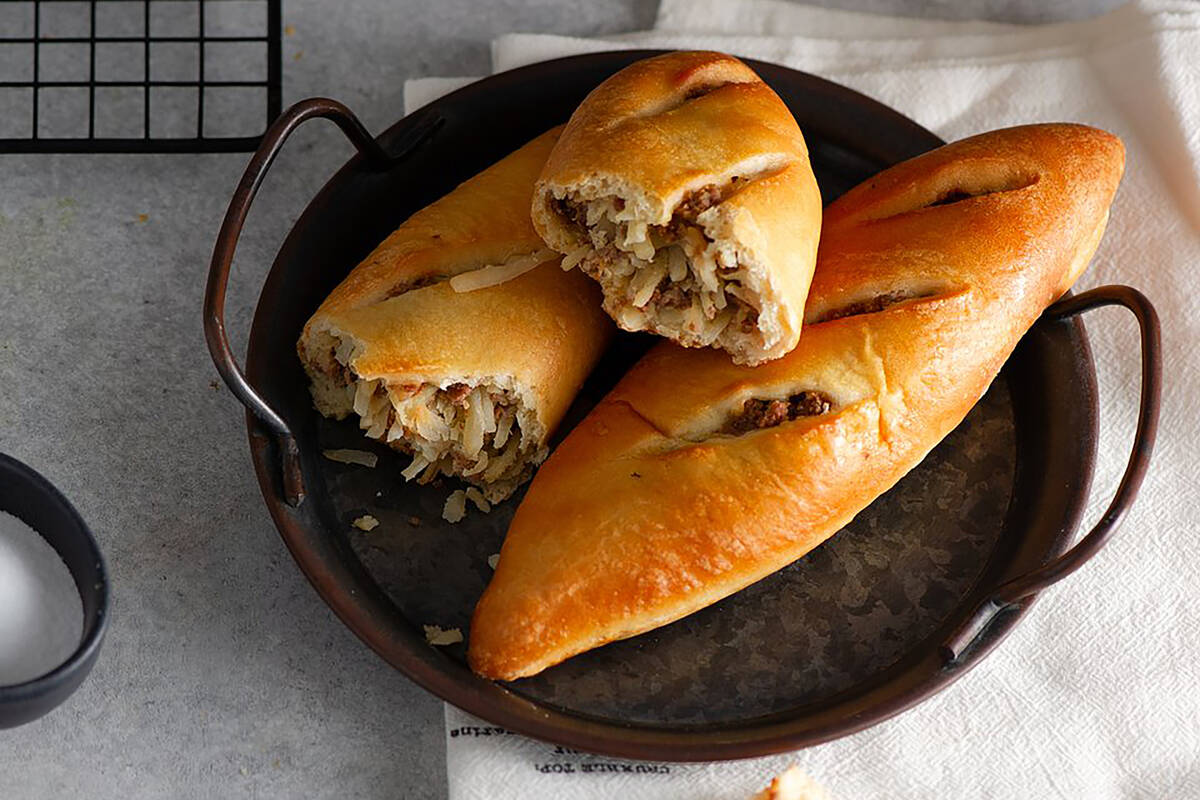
(695, 477)
(682, 185)
(459, 340)
(793, 784)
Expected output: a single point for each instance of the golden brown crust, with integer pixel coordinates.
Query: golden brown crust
(540, 332)
(485, 220)
(678, 122)
(655, 516)
(543, 328)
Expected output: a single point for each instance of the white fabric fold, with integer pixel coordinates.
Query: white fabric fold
(784, 18)
(1095, 693)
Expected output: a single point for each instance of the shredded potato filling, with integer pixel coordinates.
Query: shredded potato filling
(672, 273)
(496, 274)
(473, 431)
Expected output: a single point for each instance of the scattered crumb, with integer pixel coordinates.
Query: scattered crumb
(299, 55)
(214, 385)
(456, 506)
(352, 457)
(437, 636)
(792, 784)
(366, 523)
(414, 521)
(635, 474)
(289, 30)
(493, 560)
(243, 770)
(143, 217)
(476, 497)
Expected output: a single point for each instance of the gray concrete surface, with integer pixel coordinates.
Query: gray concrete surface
(223, 675)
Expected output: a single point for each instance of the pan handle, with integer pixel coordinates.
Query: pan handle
(1011, 593)
(231, 228)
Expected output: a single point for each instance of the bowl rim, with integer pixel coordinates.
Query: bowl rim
(93, 633)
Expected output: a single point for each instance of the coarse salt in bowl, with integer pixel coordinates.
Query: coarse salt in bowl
(41, 614)
(53, 596)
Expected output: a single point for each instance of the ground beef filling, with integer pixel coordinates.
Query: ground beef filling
(572, 211)
(697, 201)
(871, 305)
(758, 414)
(457, 393)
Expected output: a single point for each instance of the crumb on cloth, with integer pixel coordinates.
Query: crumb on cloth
(793, 784)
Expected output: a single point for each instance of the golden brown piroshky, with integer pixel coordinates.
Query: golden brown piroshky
(459, 340)
(682, 184)
(695, 477)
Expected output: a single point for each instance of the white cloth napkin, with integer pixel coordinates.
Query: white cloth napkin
(1097, 693)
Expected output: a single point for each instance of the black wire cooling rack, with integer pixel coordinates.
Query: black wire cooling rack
(137, 76)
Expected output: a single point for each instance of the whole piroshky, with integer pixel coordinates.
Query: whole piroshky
(696, 477)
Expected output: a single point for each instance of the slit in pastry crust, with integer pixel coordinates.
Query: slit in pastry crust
(412, 285)
(957, 187)
(760, 413)
(872, 303)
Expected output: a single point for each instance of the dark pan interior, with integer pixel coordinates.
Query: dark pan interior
(844, 637)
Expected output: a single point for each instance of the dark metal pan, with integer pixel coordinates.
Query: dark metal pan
(912, 594)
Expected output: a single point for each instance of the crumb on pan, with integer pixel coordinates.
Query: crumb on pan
(476, 497)
(436, 636)
(493, 560)
(414, 521)
(366, 523)
(456, 506)
(346, 456)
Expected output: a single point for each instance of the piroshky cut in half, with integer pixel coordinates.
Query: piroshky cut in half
(459, 340)
(682, 185)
